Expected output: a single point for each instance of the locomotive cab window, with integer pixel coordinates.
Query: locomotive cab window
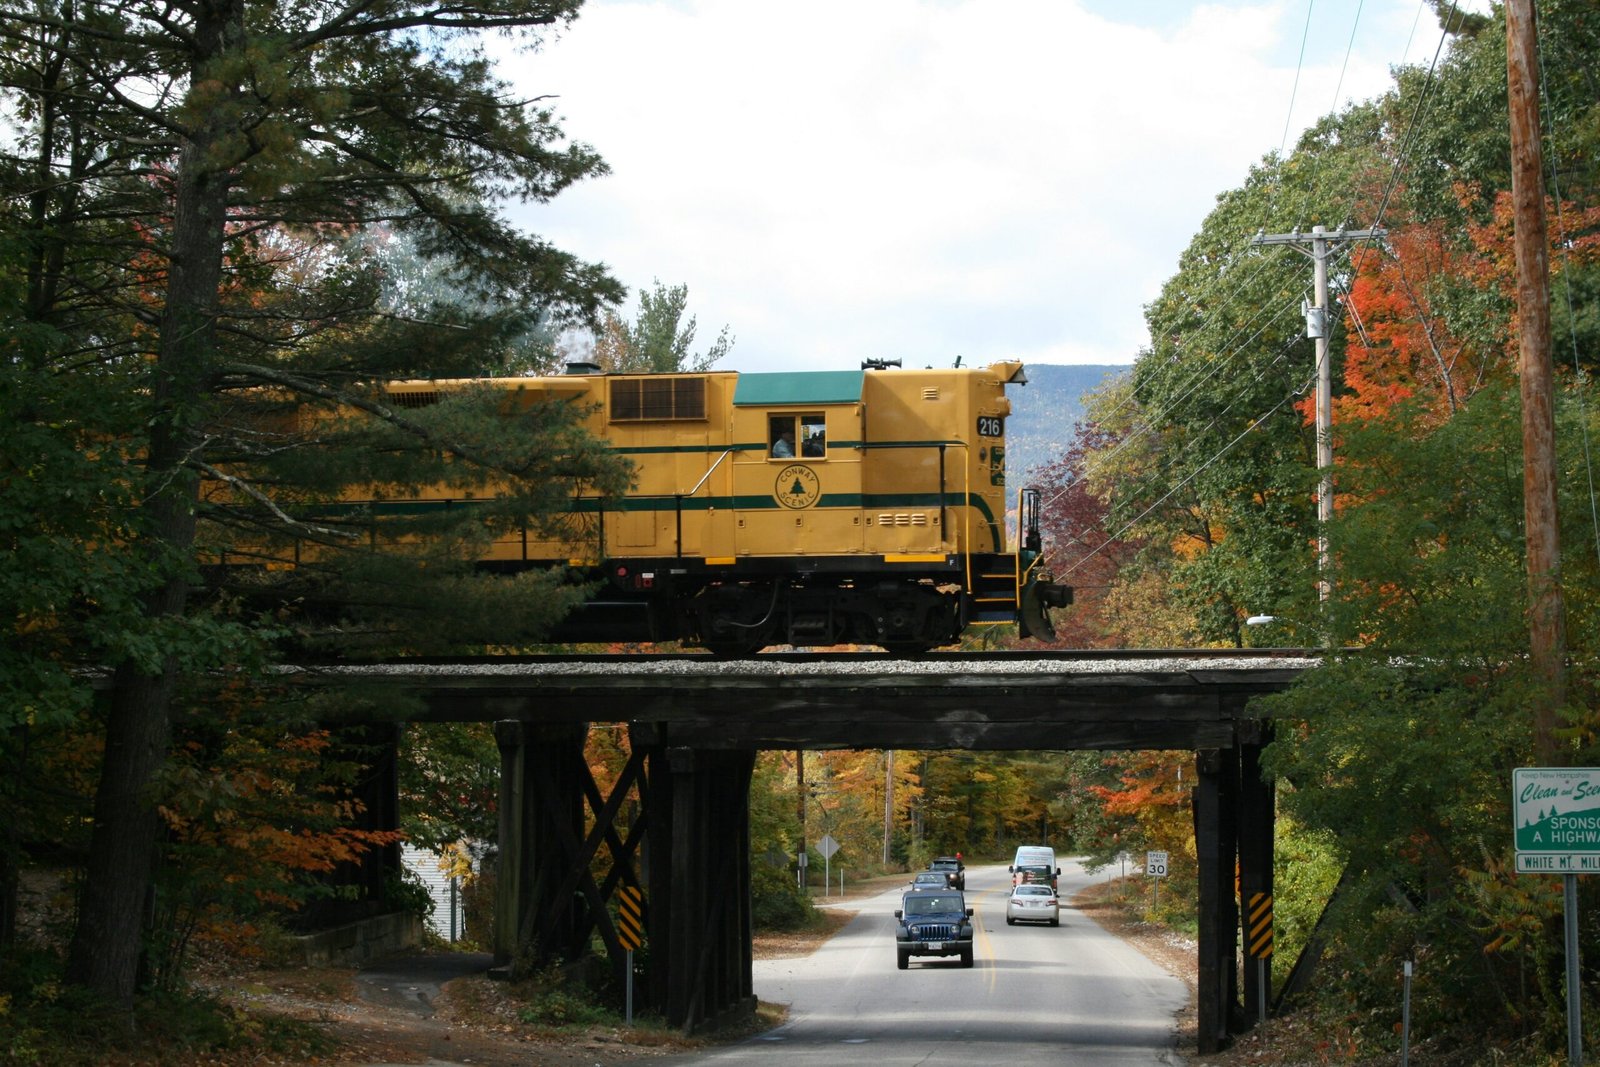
(813, 436)
(780, 437)
(797, 435)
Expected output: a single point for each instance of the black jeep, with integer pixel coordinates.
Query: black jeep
(955, 872)
(933, 922)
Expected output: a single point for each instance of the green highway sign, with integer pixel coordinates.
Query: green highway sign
(1556, 813)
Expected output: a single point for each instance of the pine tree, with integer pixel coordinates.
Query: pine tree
(189, 190)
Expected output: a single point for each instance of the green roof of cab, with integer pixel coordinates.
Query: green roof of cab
(799, 387)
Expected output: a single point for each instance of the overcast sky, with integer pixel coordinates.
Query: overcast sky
(922, 179)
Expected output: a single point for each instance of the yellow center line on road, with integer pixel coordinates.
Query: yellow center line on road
(980, 935)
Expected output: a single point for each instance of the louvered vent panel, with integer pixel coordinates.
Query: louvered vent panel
(657, 399)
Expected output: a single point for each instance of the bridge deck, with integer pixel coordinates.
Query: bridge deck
(1103, 700)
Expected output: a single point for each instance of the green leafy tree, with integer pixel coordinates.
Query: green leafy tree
(1392, 760)
(187, 184)
(1214, 478)
(1086, 825)
(659, 340)
(1400, 751)
(67, 492)
(449, 784)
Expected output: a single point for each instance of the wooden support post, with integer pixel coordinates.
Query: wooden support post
(512, 859)
(649, 741)
(1228, 862)
(537, 915)
(360, 882)
(1211, 1018)
(1257, 821)
(377, 748)
(710, 971)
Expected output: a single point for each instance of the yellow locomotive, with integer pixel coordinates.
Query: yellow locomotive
(801, 508)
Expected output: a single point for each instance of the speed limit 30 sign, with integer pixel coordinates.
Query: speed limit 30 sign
(1155, 864)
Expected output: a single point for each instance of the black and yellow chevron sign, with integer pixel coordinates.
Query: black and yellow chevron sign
(630, 917)
(1258, 926)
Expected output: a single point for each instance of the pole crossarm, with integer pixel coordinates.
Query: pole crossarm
(1317, 234)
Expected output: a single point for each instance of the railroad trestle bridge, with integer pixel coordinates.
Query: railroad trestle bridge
(696, 725)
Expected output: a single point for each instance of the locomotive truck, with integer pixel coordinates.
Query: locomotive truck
(806, 508)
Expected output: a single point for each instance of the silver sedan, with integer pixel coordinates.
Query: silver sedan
(1033, 903)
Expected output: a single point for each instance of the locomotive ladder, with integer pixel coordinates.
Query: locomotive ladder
(997, 586)
(994, 592)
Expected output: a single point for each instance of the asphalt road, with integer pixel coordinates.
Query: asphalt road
(1035, 994)
(413, 983)
(1071, 994)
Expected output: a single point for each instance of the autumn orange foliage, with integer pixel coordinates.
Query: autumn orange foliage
(1155, 793)
(256, 815)
(1417, 313)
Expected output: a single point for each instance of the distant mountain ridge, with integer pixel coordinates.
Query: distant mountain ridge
(1046, 411)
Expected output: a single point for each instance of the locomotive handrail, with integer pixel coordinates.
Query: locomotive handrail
(709, 470)
(679, 497)
(966, 516)
(1028, 535)
(943, 521)
(966, 505)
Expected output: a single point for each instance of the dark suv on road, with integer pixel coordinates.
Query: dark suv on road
(933, 922)
(955, 872)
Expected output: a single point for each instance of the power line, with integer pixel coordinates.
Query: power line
(1325, 493)
(1191, 476)
(1294, 90)
(1564, 244)
(1169, 413)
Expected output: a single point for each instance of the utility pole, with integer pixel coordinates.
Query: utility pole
(1317, 329)
(888, 799)
(800, 814)
(1547, 636)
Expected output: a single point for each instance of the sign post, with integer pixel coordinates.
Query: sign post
(1556, 826)
(827, 846)
(1258, 943)
(1155, 865)
(630, 931)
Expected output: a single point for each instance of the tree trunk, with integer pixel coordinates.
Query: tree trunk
(108, 943)
(10, 839)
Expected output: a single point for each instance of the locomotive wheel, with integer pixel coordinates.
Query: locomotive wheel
(734, 621)
(905, 648)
